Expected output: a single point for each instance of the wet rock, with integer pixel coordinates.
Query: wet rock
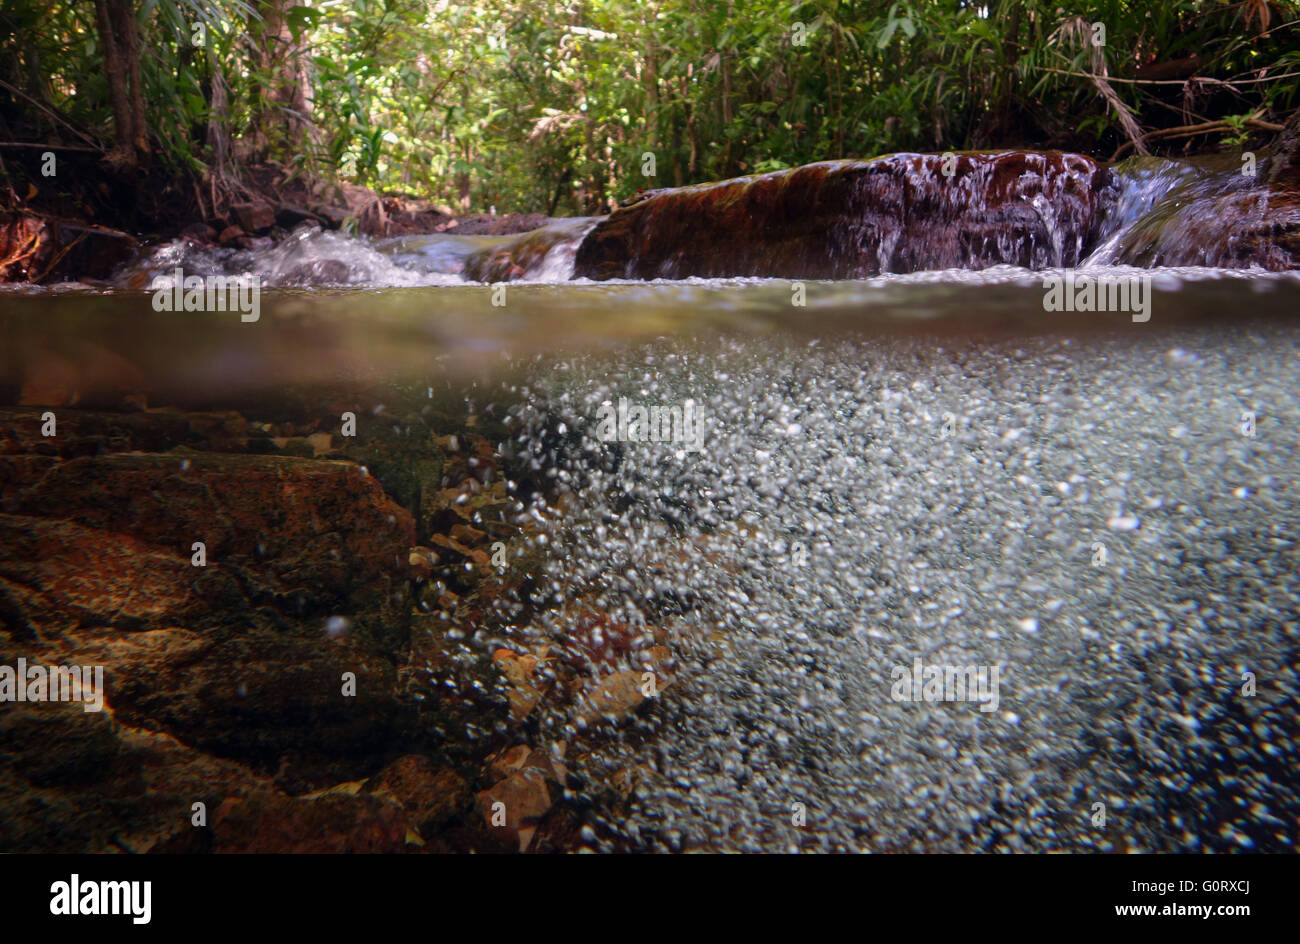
(522, 255)
(200, 233)
(230, 235)
(333, 216)
(513, 807)
(526, 686)
(1213, 215)
(849, 219)
(430, 795)
(54, 744)
(422, 560)
(90, 433)
(60, 576)
(615, 697)
(460, 697)
(289, 216)
(592, 639)
(1284, 158)
(328, 824)
(77, 782)
(469, 458)
(507, 762)
(97, 556)
(99, 377)
(253, 217)
(467, 535)
(322, 535)
(260, 696)
(319, 272)
(1217, 215)
(625, 780)
(549, 761)
(456, 550)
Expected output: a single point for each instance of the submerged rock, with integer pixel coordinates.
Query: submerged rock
(328, 824)
(223, 645)
(430, 795)
(849, 219)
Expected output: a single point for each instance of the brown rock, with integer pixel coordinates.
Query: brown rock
(84, 432)
(613, 697)
(99, 377)
(508, 761)
(200, 233)
(466, 534)
(514, 805)
(516, 758)
(525, 691)
(235, 656)
(421, 560)
(616, 696)
(448, 544)
(849, 219)
(333, 216)
(78, 782)
(253, 217)
(430, 795)
(1284, 159)
(516, 257)
(328, 824)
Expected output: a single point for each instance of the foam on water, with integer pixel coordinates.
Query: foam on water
(308, 257)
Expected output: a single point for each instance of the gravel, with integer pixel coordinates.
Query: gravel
(1089, 516)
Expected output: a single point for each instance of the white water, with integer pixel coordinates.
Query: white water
(1147, 194)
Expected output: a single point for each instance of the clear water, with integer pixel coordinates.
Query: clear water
(911, 467)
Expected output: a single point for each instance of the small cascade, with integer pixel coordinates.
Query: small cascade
(894, 215)
(1210, 212)
(307, 257)
(543, 255)
(310, 257)
(854, 219)
(1141, 184)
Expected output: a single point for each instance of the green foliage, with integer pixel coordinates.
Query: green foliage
(553, 107)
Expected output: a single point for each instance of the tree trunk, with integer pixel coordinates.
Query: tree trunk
(282, 114)
(116, 21)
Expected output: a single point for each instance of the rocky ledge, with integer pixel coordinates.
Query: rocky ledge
(300, 637)
(910, 212)
(849, 219)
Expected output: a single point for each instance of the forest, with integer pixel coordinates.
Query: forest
(172, 111)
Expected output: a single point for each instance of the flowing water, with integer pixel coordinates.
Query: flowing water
(923, 469)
